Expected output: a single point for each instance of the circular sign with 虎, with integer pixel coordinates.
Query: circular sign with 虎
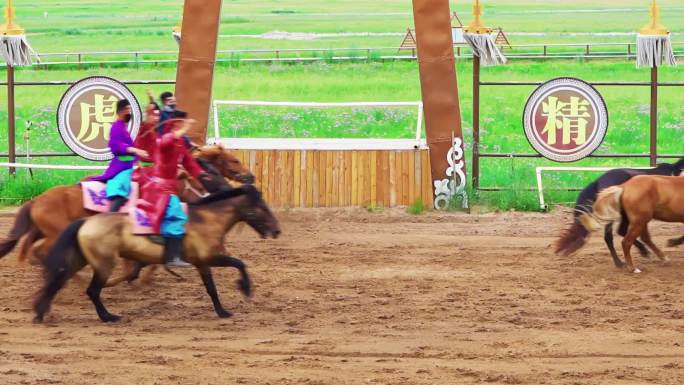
(565, 119)
(88, 110)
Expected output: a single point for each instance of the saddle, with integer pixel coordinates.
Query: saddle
(95, 199)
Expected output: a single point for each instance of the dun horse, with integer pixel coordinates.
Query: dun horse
(43, 218)
(576, 235)
(98, 241)
(642, 199)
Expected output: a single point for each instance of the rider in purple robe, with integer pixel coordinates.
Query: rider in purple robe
(118, 174)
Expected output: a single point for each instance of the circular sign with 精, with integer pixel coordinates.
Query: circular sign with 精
(87, 111)
(565, 119)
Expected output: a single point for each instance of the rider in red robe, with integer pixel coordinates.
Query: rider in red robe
(160, 194)
(147, 140)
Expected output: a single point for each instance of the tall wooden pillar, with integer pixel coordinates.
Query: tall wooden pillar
(195, 74)
(440, 91)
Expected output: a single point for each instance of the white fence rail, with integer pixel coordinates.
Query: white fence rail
(521, 51)
(319, 144)
(540, 186)
(51, 166)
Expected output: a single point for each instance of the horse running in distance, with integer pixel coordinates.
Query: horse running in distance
(642, 199)
(574, 237)
(99, 240)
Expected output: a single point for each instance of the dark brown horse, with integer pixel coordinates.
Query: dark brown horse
(42, 219)
(99, 240)
(573, 238)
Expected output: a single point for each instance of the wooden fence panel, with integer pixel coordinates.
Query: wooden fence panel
(318, 178)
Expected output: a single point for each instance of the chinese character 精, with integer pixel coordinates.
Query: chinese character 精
(570, 118)
(97, 118)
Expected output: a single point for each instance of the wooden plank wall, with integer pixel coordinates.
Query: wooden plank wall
(341, 178)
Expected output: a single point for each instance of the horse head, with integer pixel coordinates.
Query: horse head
(226, 163)
(257, 214)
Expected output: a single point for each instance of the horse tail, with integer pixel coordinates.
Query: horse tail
(22, 225)
(571, 239)
(574, 237)
(586, 199)
(607, 209)
(63, 261)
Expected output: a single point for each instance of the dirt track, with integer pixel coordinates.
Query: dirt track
(349, 297)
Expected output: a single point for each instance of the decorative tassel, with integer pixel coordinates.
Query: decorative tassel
(655, 51)
(483, 46)
(16, 50)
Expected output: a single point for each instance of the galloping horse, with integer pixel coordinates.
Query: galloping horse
(573, 238)
(642, 199)
(46, 216)
(100, 239)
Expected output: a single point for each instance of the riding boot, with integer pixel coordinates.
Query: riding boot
(116, 203)
(173, 249)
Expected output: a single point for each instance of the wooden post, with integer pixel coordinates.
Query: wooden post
(195, 74)
(476, 122)
(11, 121)
(654, 116)
(439, 88)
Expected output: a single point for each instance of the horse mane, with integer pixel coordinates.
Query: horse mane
(680, 165)
(225, 194)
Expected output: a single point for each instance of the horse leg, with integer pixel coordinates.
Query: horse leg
(208, 280)
(93, 291)
(622, 231)
(646, 236)
(148, 274)
(131, 273)
(53, 285)
(674, 242)
(634, 231)
(26, 249)
(244, 283)
(608, 237)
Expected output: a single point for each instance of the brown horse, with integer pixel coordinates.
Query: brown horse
(98, 241)
(42, 219)
(642, 199)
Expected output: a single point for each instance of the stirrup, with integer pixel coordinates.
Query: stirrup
(177, 263)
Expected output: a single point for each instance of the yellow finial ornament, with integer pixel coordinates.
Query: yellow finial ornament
(9, 28)
(654, 27)
(477, 26)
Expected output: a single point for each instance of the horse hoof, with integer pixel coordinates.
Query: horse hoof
(111, 318)
(224, 313)
(38, 319)
(636, 271)
(245, 287)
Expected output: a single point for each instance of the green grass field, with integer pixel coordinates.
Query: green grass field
(97, 25)
(133, 25)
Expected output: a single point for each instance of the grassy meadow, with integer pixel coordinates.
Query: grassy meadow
(89, 25)
(97, 25)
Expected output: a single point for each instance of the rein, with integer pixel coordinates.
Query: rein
(188, 186)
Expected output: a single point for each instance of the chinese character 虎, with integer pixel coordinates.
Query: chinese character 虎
(97, 118)
(570, 118)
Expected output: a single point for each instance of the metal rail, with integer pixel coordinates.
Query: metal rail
(519, 51)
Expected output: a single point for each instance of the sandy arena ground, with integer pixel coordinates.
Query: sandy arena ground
(351, 297)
